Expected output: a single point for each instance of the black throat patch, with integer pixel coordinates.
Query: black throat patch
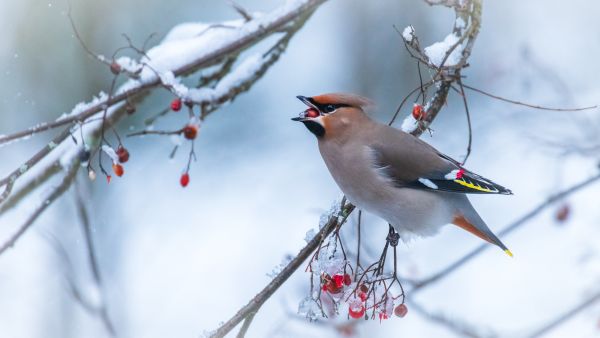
(315, 128)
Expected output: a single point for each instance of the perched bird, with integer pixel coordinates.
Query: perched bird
(392, 174)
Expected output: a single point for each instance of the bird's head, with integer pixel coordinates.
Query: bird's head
(329, 113)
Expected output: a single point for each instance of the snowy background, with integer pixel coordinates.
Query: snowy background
(178, 261)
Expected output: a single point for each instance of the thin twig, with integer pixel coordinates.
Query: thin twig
(92, 258)
(526, 104)
(563, 317)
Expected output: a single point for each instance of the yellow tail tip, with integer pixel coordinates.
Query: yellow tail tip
(508, 252)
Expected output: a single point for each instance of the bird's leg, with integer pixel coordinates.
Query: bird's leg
(392, 239)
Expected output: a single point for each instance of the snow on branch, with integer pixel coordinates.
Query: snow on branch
(187, 49)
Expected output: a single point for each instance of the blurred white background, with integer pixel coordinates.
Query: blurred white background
(178, 261)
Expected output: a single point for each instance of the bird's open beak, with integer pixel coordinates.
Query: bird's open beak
(303, 115)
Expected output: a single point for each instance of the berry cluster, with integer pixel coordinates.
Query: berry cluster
(365, 293)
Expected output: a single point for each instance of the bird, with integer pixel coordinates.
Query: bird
(393, 174)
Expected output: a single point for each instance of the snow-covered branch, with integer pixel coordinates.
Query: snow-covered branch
(186, 49)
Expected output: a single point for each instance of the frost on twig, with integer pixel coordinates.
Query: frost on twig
(185, 50)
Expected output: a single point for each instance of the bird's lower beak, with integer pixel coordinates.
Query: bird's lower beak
(299, 119)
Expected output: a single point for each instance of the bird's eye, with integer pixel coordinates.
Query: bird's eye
(330, 108)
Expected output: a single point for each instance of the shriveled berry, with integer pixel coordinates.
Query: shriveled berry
(184, 180)
(401, 310)
(190, 131)
(418, 113)
(118, 169)
(123, 154)
(176, 104)
(364, 288)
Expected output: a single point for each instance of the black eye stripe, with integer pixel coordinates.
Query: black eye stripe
(330, 107)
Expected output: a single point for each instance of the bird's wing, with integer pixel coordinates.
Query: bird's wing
(412, 163)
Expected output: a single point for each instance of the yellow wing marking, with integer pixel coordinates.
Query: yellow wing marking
(473, 186)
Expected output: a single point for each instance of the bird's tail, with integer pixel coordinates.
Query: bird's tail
(470, 221)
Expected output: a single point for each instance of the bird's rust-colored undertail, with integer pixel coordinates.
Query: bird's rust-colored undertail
(461, 221)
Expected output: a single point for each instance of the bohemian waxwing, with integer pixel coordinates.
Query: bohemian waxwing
(393, 174)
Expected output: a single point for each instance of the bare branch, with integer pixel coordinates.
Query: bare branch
(563, 317)
(526, 104)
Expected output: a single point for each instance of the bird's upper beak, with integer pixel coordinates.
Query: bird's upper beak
(304, 115)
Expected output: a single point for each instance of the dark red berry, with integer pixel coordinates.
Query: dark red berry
(123, 154)
(190, 131)
(184, 180)
(115, 68)
(176, 104)
(347, 279)
(401, 310)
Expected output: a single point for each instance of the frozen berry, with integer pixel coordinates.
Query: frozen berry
(418, 113)
(338, 280)
(118, 169)
(123, 154)
(184, 180)
(401, 310)
(356, 312)
(176, 104)
(190, 131)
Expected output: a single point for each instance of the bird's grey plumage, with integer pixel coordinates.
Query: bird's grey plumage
(379, 167)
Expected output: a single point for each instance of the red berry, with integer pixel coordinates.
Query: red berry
(338, 280)
(356, 313)
(362, 295)
(123, 154)
(563, 213)
(324, 288)
(333, 288)
(184, 180)
(115, 68)
(118, 169)
(418, 113)
(347, 279)
(401, 310)
(311, 112)
(176, 104)
(383, 316)
(190, 131)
